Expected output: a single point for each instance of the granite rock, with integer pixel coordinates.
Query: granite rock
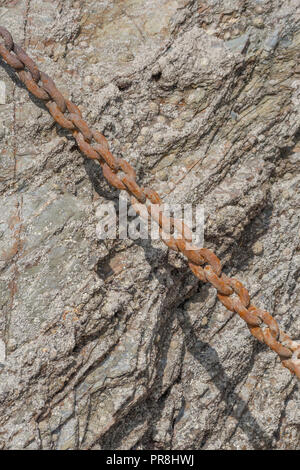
(114, 344)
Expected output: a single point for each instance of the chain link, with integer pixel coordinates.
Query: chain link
(121, 175)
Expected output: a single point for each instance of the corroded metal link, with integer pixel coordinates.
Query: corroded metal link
(231, 292)
(291, 344)
(183, 230)
(169, 224)
(111, 177)
(28, 62)
(153, 196)
(107, 156)
(81, 126)
(140, 209)
(145, 212)
(51, 89)
(161, 219)
(12, 60)
(59, 117)
(32, 86)
(217, 282)
(8, 40)
(85, 147)
(212, 259)
(256, 332)
(249, 317)
(169, 241)
(293, 366)
(192, 255)
(281, 350)
(267, 319)
(198, 271)
(72, 108)
(100, 139)
(127, 168)
(134, 188)
(242, 292)
(226, 301)
(239, 289)
(166, 224)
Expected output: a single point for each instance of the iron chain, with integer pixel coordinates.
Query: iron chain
(205, 265)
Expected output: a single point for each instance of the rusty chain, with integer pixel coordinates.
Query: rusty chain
(120, 174)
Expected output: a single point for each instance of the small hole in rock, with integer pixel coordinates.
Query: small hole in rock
(156, 76)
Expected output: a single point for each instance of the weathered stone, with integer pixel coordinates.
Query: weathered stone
(113, 344)
(2, 92)
(239, 44)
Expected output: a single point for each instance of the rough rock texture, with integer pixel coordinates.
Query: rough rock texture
(114, 344)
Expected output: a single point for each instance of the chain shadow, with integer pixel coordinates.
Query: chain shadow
(149, 410)
(15, 79)
(198, 348)
(205, 354)
(208, 357)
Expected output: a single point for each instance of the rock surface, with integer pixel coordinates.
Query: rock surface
(114, 344)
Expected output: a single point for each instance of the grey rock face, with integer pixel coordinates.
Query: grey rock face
(114, 344)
